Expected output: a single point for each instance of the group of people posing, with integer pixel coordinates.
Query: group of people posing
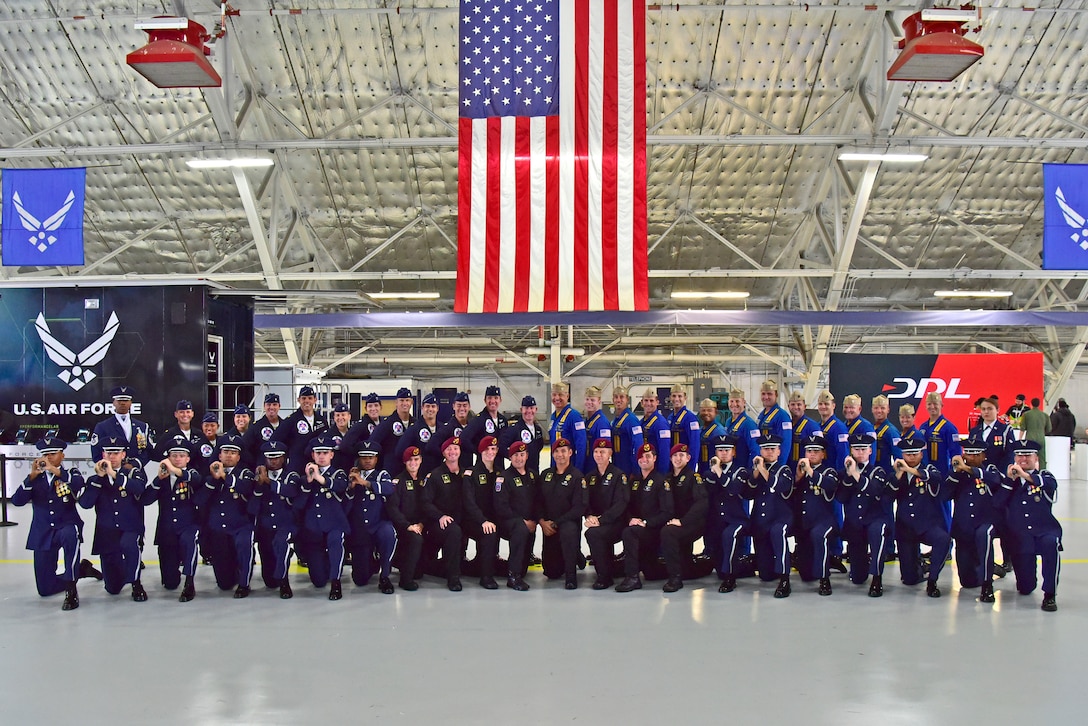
(410, 493)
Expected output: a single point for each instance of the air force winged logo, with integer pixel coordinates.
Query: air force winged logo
(39, 236)
(75, 367)
(1074, 219)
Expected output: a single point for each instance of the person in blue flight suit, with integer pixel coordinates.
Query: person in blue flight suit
(770, 485)
(300, 428)
(627, 435)
(450, 429)
(710, 432)
(262, 429)
(906, 420)
(527, 431)
(656, 429)
(275, 488)
(1000, 440)
(683, 423)
(55, 525)
(114, 493)
(517, 509)
(773, 419)
(138, 437)
(489, 422)
(919, 516)
(975, 485)
(177, 528)
(742, 426)
(941, 436)
(887, 434)
(323, 494)
(834, 429)
(607, 493)
(728, 521)
(1035, 531)
(867, 526)
(597, 424)
(230, 527)
(562, 504)
(802, 425)
(371, 528)
(815, 485)
(566, 423)
(481, 520)
(647, 511)
(688, 504)
(392, 427)
(852, 419)
(242, 418)
(422, 431)
(405, 507)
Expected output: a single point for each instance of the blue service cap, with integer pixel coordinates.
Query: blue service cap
(373, 398)
(51, 445)
(321, 443)
(461, 397)
(341, 408)
(368, 448)
(242, 410)
(528, 401)
(1027, 447)
(272, 398)
(816, 442)
(492, 391)
(184, 405)
(229, 442)
(430, 398)
(860, 440)
(306, 391)
(122, 392)
(209, 418)
(768, 440)
(911, 444)
(114, 443)
(725, 442)
(404, 393)
(180, 443)
(973, 445)
(272, 449)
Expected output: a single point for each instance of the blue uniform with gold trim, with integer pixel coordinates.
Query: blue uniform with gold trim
(775, 421)
(656, 430)
(55, 526)
(597, 427)
(746, 431)
(568, 424)
(627, 439)
(802, 428)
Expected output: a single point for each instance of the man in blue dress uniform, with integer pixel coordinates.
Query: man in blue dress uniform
(566, 423)
(727, 523)
(919, 516)
(55, 526)
(656, 429)
(816, 483)
(324, 519)
(1034, 529)
(371, 528)
(770, 486)
(975, 486)
(626, 433)
(867, 526)
(275, 488)
(177, 530)
(229, 528)
(137, 435)
(773, 419)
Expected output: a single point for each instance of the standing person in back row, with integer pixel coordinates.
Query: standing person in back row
(489, 422)
(566, 423)
(300, 428)
(137, 435)
(1036, 427)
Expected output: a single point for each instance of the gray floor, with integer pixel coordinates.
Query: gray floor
(546, 656)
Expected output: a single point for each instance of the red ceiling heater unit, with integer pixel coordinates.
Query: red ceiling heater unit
(175, 57)
(935, 49)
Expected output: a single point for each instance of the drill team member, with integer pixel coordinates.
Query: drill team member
(527, 431)
(177, 529)
(741, 426)
(727, 525)
(647, 511)
(688, 505)
(370, 525)
(597, 424)
(815, 483)
(867, 526)
(480, 517)
(323, 491)
(710, 432)
(443, 506)
(1035, 531)
(489, 422)
(562, 504)
(683, 424)
(275, 489)
(656, 429)
(803, 427)
(229, 528)
(114, 493)
(405, 507)
(262, 429)
(55, 526)
(137, 435)
(516, 508)
(392, 428)
(300, 428)
(607, 493)
(919, 516)
(773, 419)
(627, 435)
(421, 432)
(975, 486)
(1000, 440)
(770, 485)
(566, 423)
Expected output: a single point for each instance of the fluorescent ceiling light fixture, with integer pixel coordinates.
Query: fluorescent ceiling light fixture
(973, 293)
(403, 295)
(714, 294)
(887, 156)
(952, 15)
(161, 23)
(242, 162)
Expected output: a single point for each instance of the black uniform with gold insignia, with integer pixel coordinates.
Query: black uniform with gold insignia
(443, 496)
(651, 506)
(405, 508)
(608, 494)
(689, 508)
(562, 503)
(479, 508)
(516, 503)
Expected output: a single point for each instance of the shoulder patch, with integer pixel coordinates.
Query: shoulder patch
(579, 425)
(787, 426)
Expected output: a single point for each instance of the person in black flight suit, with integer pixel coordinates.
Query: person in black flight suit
(405, 507)
(608, 492)
(480, 518)
(443, 506)
(562, 503)
(689, 504)
(649, 508)
(516, 507)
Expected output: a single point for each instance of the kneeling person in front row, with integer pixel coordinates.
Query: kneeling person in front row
(371, 528)
(980, 502)
(275, 489)
(562, 504)
(647, 511)
(770, 486)
(815, 485)
(230, 526)
(725, 483)
(688, 503)
(920, 516)
(867, 526)
(1035, 531)
(177, 529)
(325, 524)
(607, 495)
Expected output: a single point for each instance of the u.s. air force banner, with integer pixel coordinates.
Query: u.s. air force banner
(1065, 216)
(43, 216)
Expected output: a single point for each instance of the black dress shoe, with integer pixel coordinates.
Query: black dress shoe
(516, 583)
(409, 585)
(729, 584)
(139, 594)
(1006, 566)
(1049, 603)
(1000, 571)
(205, 560)
(672, 584)
(335, 591)
(629, 584)
(987, 594)
(932, 590)
(240, 592)
(188, 591)
(825, 587)
(71, 597)
(600, 584)
(876, 587)
(835, 563)
(86, 569)
(385, 586)
(488, 583)
(571, 583)
(454, 584)
(285, 590)
(783, 589)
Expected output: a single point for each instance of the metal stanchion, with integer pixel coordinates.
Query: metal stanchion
(4, 521)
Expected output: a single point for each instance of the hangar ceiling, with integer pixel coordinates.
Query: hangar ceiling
(748, 106)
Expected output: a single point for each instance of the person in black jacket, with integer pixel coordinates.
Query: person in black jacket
(443, 507)
(649, 508)
(562, 502)
(516, 506)
(608, 493)
(480, 519)
(405, 508)
(689, 507)
(527, 430)
(300, 428)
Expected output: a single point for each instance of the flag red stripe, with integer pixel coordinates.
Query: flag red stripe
(551, 229)
(464, 213)
(519, 276)
(609, 140)
(581, 154)
(639, 231)
(494, 215)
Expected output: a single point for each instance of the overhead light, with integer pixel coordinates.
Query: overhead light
(886, 156)
(973, 293)
(967, 14)
(241, 162)
(934, 50)
(403, 295)
(175, 57)
(715, 294)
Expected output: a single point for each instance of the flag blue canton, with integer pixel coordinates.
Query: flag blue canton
(43, 216)
(509, 58)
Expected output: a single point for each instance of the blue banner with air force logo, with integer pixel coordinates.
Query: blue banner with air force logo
(43, 216)
(1065, 216)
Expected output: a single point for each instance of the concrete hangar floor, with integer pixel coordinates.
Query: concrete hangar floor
(547, 655)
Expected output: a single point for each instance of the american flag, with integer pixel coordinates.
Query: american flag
(552, 168)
